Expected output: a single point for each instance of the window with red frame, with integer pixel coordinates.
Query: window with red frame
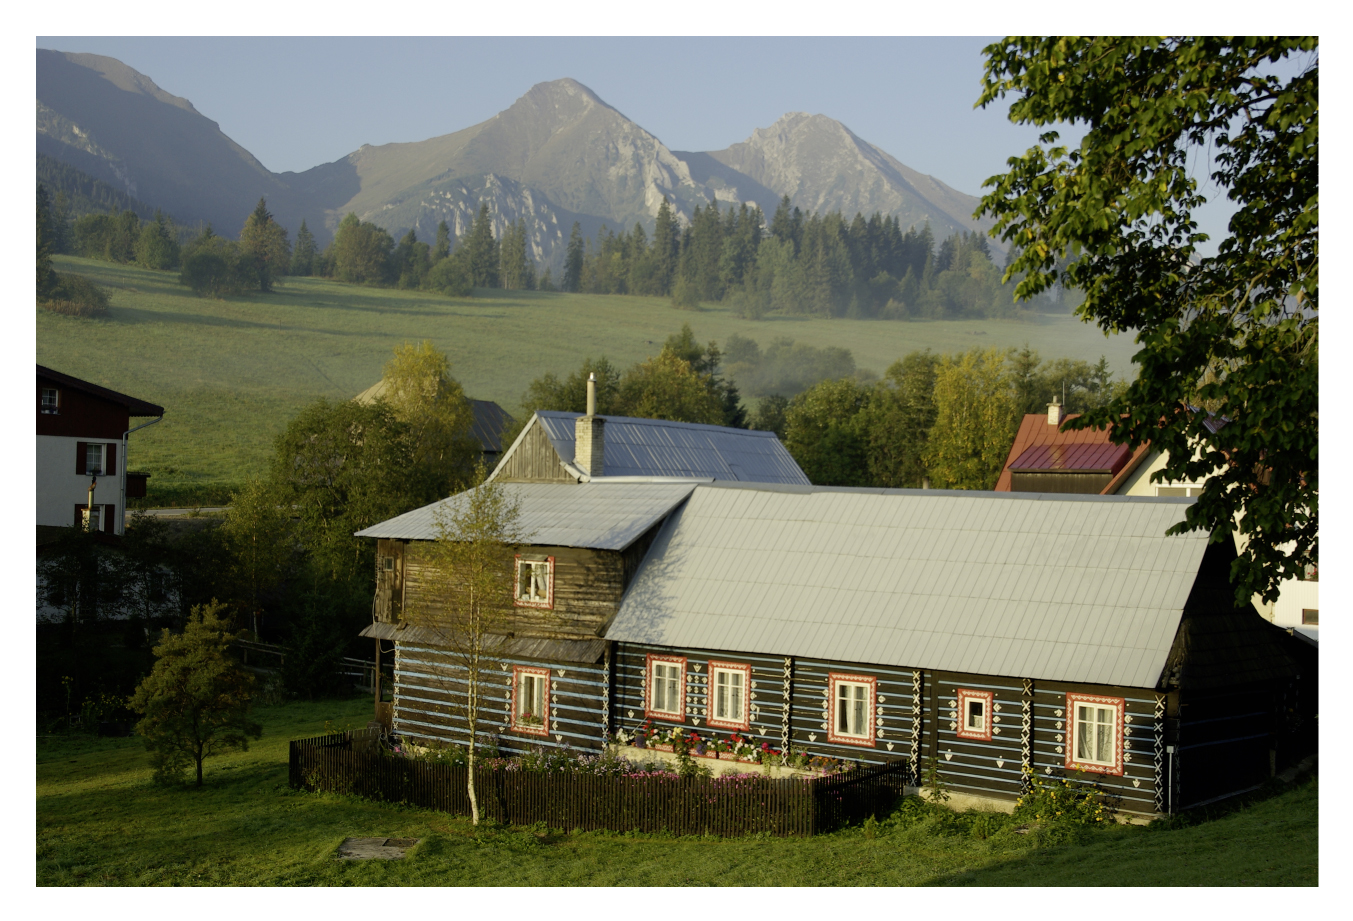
(729, 703)
(851, 701)
(535, 581)
(666, 688)
(974, 714)
(531, 700)
(1094, 739)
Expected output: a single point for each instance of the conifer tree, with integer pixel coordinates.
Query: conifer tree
(573, 261)
(482, 250)
(303, 255)
(266, 240)
(441, 248)
(46, 275)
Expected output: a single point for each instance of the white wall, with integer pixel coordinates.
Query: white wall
(60, 488)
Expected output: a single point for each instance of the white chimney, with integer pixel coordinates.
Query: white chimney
(1055, 413)
(589, 447)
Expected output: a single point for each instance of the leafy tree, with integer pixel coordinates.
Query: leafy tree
(471, 573)
(481, 249)
(667, 387)
(62, 233)
(824, 433)
(257, 533)
(303, 254)
(360, 252)
(156, 248)
(898, 421)
(429, 401)
(195, 702)
(46, 275)
(975, 420)
(411, 261)
(146, 567)
(266, 241)
(451, 276)
(341, 468)
(1238, 329)
(770, 415)
(573, 260)
(215, 267)
(570, 395)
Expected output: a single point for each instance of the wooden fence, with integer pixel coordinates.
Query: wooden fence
(355, 763)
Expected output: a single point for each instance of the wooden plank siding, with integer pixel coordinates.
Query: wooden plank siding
(1225, 740)
(979, 767)
(892, 713)
(534, 461)
(429, 683)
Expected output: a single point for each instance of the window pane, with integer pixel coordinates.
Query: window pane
(842, 708)
(860, 727)
(1083, 734)
(975, 714)
(734, 695)
(1104, 736)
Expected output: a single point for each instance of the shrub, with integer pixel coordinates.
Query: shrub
(77, 296)
(1060, 807)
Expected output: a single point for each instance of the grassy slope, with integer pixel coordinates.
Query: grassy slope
(231, 373)
(100, 822)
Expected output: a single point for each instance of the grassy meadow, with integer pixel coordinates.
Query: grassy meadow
(100, 821)
(231, 373)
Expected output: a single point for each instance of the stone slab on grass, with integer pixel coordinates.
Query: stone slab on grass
(374, 848)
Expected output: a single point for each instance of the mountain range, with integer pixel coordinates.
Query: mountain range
(559, 154)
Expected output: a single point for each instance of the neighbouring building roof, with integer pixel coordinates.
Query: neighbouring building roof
(598, 516)
(1053, 586)
(490, 419)
(135, 407)
(1036, 431)
(1080, 458)
(655, 447)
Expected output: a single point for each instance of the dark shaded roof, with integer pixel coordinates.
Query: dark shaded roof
(490, 420)
(584, 651)
(659, 448)
(1080, 458)
(135, 406)
(1035, 430)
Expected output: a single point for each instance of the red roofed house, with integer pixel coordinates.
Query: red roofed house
(1046, 458)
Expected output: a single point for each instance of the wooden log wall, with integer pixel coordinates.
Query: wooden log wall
(893, 699)
(1226, 737)
(1137, 788)
(984, 768)
(588, 585)
(429, 683)
(765, 695)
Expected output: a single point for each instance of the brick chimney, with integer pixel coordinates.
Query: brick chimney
(1055, 412)
(589, 448)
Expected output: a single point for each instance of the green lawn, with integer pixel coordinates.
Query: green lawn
(101, 822)
(230, 373)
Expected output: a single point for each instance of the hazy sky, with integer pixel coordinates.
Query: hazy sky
(298, 102)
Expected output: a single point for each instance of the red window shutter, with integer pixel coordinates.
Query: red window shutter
(110, 459)
(107, 518)
(81, 450)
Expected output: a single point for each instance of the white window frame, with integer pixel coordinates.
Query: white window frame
(1077, 760)
(966, 698)
(666, 663)
(532, 599)
(835, 683)
(1191, 490)
(739, 716)
(524, 680)
(102, 449)
(54, 407)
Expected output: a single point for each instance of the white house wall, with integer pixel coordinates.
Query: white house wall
(60, 488)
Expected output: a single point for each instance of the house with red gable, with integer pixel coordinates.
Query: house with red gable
(1045, 457)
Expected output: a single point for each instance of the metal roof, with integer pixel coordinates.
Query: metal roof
(1105, 458)
(1045, 586)
(655, 447)
(599, 516)
(1036, 430)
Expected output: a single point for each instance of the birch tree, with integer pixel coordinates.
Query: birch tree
(470, 593)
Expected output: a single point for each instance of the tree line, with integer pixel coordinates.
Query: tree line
(947, 418)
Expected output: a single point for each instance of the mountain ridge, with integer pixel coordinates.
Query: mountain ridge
(558, 154)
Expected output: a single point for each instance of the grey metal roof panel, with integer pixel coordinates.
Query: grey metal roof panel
(655, 447)
(599, 516)
(910, 578)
